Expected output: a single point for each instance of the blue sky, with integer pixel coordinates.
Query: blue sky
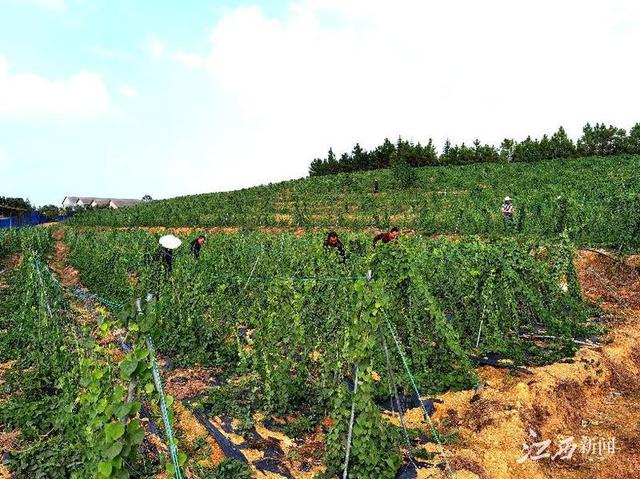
(125, 98)
(155, 109)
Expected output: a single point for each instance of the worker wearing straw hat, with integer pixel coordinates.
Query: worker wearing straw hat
(161, 260)
(507, 211)
(168, 243)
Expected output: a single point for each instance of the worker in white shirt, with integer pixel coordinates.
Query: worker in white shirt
(507, 211)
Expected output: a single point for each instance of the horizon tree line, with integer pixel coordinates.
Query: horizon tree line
(597, 140)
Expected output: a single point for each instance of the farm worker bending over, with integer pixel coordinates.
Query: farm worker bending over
(168, 244)
(333, 241)
(161, 260)
(392, 235)
(196, 244)
(507, 210)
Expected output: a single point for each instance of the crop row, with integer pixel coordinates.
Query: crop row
(258, 282)
(72, 406)
(287, 322)
(595, 200)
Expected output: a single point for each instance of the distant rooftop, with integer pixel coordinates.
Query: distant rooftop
(95, 202)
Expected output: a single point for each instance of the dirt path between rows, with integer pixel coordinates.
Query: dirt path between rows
(58, 263)
(187, 426)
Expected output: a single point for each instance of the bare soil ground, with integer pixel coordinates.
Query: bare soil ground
(6, 265)
(185, 383)
(66, 274)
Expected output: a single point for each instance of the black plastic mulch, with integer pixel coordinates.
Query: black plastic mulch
(408, 402)
(492, 359)
(228, 448)
(273, 465)
(409, 471)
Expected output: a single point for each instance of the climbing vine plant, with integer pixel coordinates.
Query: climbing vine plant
(359, 432)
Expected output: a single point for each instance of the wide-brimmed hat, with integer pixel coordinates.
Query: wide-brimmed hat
(169, 242)
(506, 198)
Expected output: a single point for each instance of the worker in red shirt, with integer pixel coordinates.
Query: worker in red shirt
(333, 241)
(392, 235)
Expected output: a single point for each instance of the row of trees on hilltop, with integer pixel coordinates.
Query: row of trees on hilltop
(19, 206)
(598, 140)
(361, 160)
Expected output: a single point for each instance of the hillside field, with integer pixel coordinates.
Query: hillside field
(595, 199)
(451, 353)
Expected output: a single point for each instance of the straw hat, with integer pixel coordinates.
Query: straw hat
(170, 242)
(506, 198)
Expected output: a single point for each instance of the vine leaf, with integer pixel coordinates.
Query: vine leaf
(114, 431)
(105, 469)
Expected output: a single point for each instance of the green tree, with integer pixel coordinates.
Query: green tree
(544, 147)
(601, 140)
(332, 164)
(459, 155)
(360, 158)
(422, 155)
(633, 140)
(345, 163)
(317, 168)
(506, 150)
(485, 153)
(446, 147)
(381, 156)
(404, 175)
(561, 146)
(15, 203)
(49, 211)
(527, 150)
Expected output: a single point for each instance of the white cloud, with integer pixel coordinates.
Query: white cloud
(154, 46)
(128, 91)
(190, 60)
(30, 96)
(108, 53)
(333, 72)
